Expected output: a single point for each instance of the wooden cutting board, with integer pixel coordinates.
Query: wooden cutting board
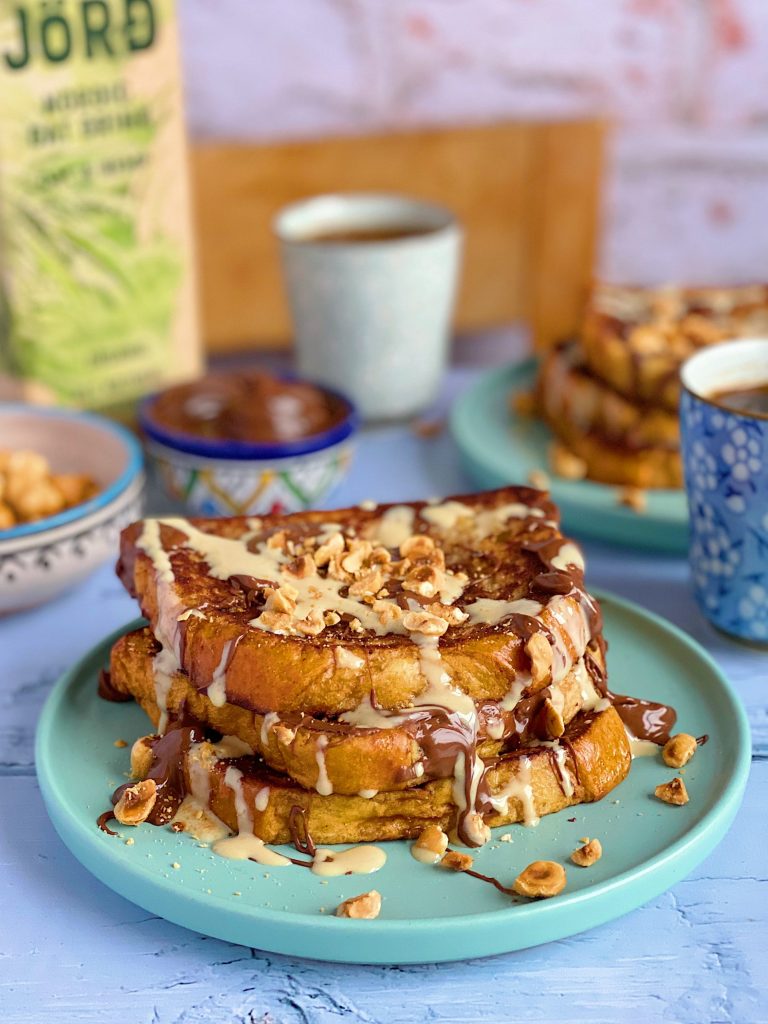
(526, 192)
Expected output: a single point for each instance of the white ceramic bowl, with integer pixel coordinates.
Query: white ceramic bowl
(40, 560)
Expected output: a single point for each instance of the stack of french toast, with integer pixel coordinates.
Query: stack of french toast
(611, 395)
(370, 671)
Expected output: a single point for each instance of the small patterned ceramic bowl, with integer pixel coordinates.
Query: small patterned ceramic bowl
(213, 477)
(42, 559)
(725, 456)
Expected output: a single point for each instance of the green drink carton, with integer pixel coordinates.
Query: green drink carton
(97, 289)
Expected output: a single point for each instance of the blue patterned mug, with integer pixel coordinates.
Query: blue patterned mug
(725, 457)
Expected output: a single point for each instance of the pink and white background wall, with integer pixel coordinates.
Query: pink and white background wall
(685, 82)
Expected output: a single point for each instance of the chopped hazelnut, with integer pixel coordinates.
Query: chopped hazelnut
(538, 478)
(283, 734)
(141, 757)
(646, 339)
(136, 803)
(476, 829)
(539, 651)
(330, 549)
(679, 750)
(453, 616)
(388, 612)
(283, 599)
(588, 854)
(359, 552)
(701, 329)
(455, 861)
(367, 585)
(73, 487)
(552, 720)
(380, 556)
(423, 622)
(365, 907)
(633, 497)
(422, 579)
(673, 792)
(540, 880)
(565, 463)
(277, 622)
(431, 845)
(33, 499)
(302, 568)
(312, 624)
(419, 545)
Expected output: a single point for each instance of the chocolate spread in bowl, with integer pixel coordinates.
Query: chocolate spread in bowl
(249, 406)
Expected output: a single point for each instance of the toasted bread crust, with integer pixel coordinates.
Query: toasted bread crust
(636, 339)
(568, 392)
(647, 468)
(355, 759)
(598, 759)
(270, 672)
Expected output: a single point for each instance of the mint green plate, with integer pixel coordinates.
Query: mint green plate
(428, 914)
(498, 447)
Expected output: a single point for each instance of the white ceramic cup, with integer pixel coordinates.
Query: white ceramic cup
(372, 318)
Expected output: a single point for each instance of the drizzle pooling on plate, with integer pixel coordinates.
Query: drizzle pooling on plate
(170, 771)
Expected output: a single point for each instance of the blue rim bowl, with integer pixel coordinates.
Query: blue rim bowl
(244, 451)
(133, 467)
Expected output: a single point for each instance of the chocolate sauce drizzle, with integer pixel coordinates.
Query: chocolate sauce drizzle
(491, 880)
(300, 836)
(443, 735)
(102, 820)
(645, 719)
(108, 692)
(169, 756)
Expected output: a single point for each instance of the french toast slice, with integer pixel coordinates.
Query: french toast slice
(609, 462)
(569, 392)
(332, 754)
(636, 338)
(247, 796)
(310, 612)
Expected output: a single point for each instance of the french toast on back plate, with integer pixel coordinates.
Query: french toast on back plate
(610, 394)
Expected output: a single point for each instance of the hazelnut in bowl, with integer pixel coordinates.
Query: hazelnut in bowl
(69, 482)
(248, 442)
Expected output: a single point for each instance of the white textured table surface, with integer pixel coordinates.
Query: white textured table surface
(73, 952)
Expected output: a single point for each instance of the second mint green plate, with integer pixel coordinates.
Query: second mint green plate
(499, 447)
(428, 914)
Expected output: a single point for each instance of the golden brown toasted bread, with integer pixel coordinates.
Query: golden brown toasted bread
(353, 759)
(569, 393)
(310, 612)
(522, 786)
(636, 339)
(608, 463)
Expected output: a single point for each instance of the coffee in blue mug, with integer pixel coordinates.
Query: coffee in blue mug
(724, 428)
